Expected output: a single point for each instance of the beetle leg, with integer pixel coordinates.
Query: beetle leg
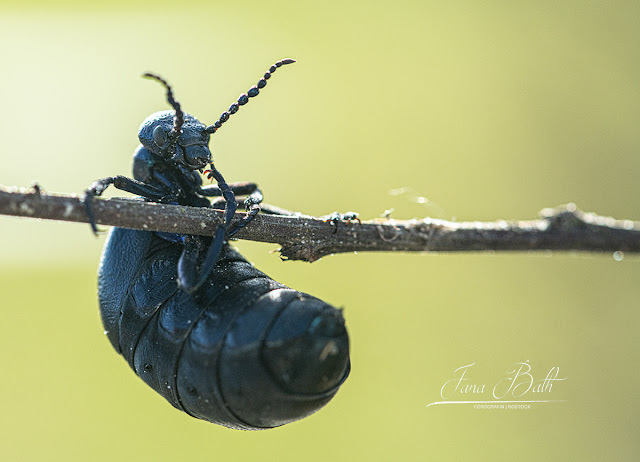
(190, 279)
(266, 209)
(251, 203)
(336, 218)
(252, 206)
(188, 262)
(120, 182)
(242, 188)
(273, 210)
(228, 195)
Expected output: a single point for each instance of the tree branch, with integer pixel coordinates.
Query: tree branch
(309, 238)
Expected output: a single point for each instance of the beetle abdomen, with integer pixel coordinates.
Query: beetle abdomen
(243, 351)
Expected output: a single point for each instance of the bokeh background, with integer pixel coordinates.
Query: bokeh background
(487, 109)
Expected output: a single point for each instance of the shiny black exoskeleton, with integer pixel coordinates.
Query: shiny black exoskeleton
(217, 338)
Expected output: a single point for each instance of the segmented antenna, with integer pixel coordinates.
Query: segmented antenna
(178, 120)
(244, 98)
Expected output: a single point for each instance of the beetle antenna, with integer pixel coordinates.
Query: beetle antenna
(178, 120)
(244, 98)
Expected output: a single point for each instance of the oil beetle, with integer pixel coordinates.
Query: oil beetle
(217, 338)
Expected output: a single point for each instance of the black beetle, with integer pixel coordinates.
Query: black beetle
(217, 338)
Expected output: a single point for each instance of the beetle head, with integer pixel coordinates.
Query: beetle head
(189, 149)
(175, 136)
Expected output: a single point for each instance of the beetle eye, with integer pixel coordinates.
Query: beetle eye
(159, 136)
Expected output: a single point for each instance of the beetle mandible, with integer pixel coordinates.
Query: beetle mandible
(217, 338)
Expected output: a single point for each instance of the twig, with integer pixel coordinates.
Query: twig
(309, 238)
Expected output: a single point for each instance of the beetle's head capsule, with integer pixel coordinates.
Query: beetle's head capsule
(190, 149)
(175, 135)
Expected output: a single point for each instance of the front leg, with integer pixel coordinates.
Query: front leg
(188, 263)
(251, 203)
(120, 182)
(189, 276)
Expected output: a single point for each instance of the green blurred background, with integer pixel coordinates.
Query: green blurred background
(489, 109)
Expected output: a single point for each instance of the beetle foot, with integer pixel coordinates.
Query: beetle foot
(335, 218)
(89, 194)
